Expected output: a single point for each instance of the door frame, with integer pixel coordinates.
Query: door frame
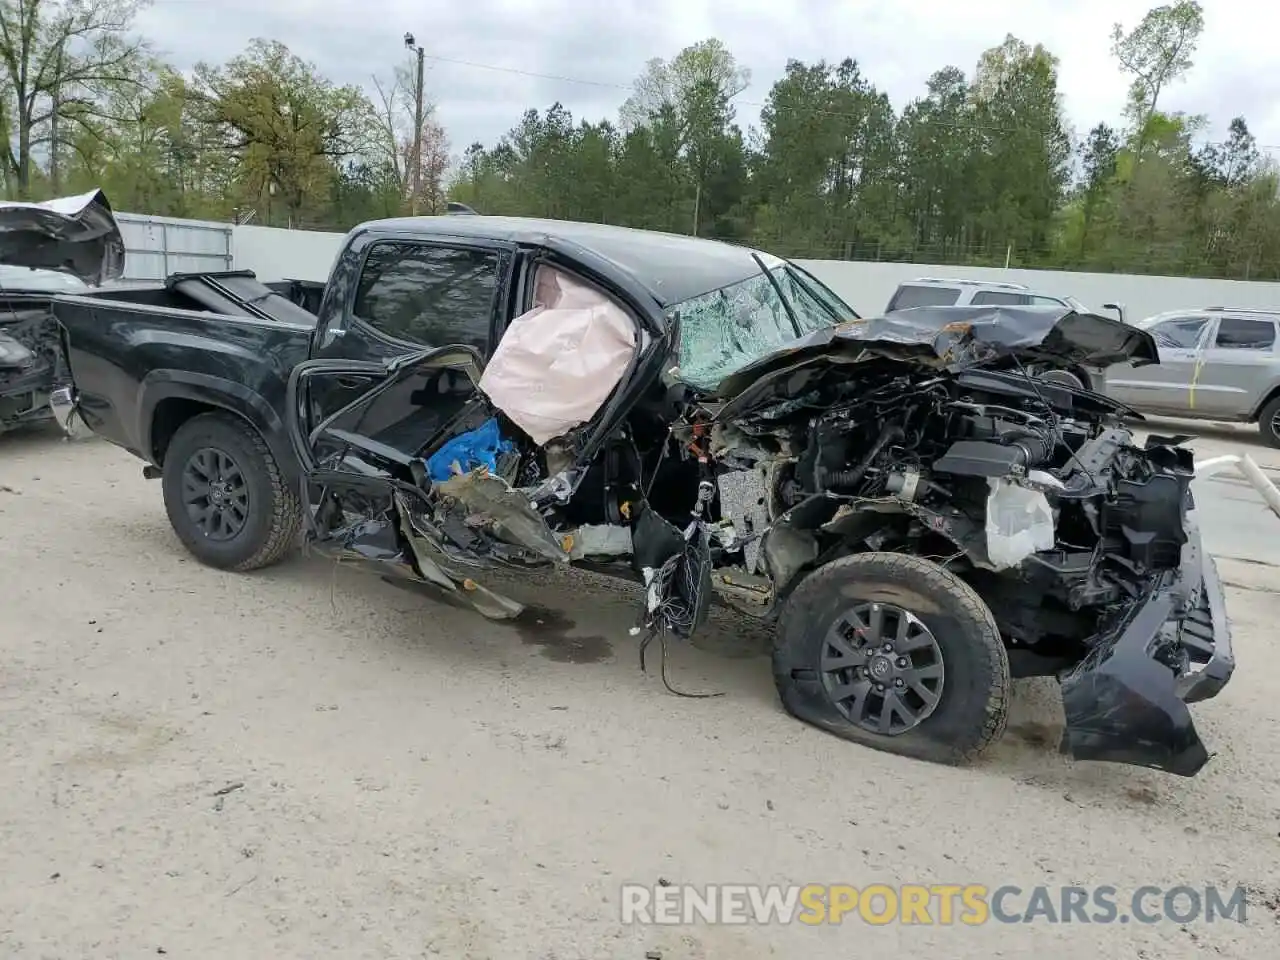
(340, 316)
(303, 434)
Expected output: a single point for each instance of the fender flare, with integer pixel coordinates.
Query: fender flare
(218, 393)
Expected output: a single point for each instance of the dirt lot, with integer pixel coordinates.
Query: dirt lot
(309, 762)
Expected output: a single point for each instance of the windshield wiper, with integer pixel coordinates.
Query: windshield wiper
(786, 304)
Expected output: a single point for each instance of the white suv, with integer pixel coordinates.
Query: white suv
(932, 292)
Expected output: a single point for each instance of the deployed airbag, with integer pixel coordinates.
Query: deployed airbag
(557, 364)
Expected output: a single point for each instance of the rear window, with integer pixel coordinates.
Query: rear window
(909, 296)
(1237, 333)
(998, 297)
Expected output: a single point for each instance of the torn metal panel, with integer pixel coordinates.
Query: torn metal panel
(1122, 704)
(76, 235)
(505, 512)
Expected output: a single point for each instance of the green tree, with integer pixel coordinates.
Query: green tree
(1156, 53)
(1090, 208)
(287, 126)
(937, 141)
(60, 60)
(826, 163)
(691, 97)
(1023, 146)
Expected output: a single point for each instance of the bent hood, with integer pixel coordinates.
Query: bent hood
(954, 339)
(74, 235)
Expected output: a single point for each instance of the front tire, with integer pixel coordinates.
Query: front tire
(937, 665)
(225, 494)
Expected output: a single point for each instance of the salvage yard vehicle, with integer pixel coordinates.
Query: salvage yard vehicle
(32, 367)
(1216, 363)
(921, 518)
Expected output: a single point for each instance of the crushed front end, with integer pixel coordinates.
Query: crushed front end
(1082, 541)
(31, 363)
(1126, 701)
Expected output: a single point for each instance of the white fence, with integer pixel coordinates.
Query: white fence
(158, 246)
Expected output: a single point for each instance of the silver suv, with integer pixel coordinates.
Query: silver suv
(933, 292)
(1216, 363)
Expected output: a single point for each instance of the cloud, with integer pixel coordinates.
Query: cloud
(490, 60)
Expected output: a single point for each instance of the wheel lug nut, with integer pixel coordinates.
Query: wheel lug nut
(879, 688)
(899, 682)
(902, 661)
(887, 648)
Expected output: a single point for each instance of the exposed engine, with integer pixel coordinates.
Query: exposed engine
(1030, 491)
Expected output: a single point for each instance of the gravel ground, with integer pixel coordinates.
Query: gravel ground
(309, 762)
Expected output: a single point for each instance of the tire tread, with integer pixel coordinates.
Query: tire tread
(286, 510)
(908, 569)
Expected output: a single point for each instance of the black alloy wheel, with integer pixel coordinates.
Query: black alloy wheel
(882, 668)
(215, 493)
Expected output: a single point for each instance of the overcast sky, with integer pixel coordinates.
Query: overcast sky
(604, 44)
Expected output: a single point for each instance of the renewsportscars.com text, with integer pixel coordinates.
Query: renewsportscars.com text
(928, 904)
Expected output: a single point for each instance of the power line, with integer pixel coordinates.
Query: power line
(529, 73)
(818, 111)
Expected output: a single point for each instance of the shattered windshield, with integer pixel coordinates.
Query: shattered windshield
(725, 330)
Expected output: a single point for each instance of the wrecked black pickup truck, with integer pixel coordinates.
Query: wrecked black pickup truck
(921, 517)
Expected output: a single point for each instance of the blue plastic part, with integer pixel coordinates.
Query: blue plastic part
(477, 448)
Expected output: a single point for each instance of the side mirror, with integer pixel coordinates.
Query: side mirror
(1117, 307)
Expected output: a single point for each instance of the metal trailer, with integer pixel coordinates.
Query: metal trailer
(156, 247)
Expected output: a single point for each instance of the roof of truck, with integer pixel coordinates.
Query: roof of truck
(672, 267)
(956, 281)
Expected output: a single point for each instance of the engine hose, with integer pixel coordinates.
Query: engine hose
(850, 478)
(1035, 448)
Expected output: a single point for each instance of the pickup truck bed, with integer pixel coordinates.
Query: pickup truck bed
(149, 352)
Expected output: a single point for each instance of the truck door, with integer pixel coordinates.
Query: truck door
(410, 293)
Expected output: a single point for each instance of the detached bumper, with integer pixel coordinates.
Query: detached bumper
(1126, 703)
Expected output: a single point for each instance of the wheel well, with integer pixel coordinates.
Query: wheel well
(1080, 373)
(170, 414)
(1257, 411)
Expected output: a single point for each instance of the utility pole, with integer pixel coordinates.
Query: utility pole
(417, 127)
(54, 173)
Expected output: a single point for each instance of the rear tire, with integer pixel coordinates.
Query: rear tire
(217, 464)
(1063, 378)
(814, 641)
(1269, 422)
